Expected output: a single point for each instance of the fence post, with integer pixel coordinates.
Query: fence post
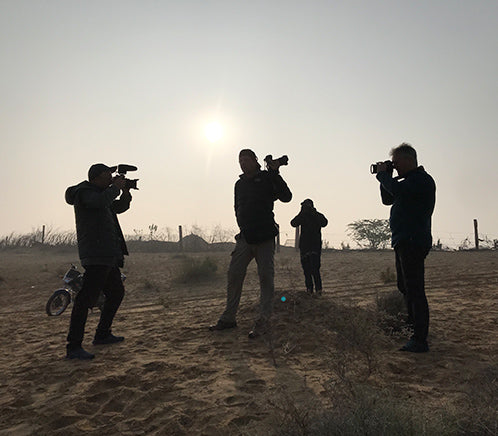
(296, 240)
(476, 235)
(180, 238)
(43, 234)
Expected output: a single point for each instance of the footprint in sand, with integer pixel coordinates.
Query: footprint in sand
(113, 405)
(243, 420)
(237, 400)
(254, 385)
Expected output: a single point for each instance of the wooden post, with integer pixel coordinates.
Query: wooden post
(476, 235)
(180, 238)
(43, 234)
(278, 241)
(296, 240)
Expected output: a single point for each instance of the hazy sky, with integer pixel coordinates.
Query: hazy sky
(332, 84)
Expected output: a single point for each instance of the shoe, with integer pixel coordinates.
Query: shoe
(223, 325)
(319, 293)
(79, 353)
(414, 346)
(309, 291)
(109, 339)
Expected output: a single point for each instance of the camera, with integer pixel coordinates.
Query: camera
(284, 160)
(122, 170)
(374, 167)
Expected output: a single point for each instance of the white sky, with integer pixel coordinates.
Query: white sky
(332, 84)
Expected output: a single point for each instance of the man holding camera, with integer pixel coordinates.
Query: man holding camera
(101, 248)
(310, 244)
(412, 195)
(255, 194)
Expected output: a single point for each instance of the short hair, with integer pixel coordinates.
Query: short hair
(248, 152)
(406, 150)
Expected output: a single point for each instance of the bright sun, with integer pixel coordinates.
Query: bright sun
(213, 132)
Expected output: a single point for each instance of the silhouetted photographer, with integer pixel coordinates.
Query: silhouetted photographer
(310, 244)
(412, 195)
(255, 193)
(101, 248)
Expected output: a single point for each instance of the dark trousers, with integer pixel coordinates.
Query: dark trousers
(310, 262)
(96, 279)
(410, 272)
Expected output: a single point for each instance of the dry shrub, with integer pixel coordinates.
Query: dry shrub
(194, 270)
(481, 417)
(387, 276)
(391, 313)
(361, 410)
(321, 326)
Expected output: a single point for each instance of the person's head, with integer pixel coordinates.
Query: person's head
(307, 204)
(100, 175)
(404, 158)
(248, 162)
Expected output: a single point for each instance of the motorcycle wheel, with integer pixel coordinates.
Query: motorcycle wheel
(58, 302)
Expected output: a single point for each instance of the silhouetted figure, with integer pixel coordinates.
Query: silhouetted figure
(310, 244)
(255, 193)
(412, 195)
(101, 248)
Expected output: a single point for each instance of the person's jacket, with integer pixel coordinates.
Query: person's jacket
(100, 239)
(311, 222)
(254, 198)
(412, 198)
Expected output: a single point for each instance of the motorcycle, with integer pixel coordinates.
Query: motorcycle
(61, 298)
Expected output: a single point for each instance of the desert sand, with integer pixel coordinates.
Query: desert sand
(171, 376)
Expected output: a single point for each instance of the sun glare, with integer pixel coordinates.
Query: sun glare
(213, 132)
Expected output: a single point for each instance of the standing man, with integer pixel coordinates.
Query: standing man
(101, 248)
(310, 244)
(412, 195)
(255, 193)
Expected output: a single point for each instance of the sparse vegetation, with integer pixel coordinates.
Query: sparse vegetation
(391, 313)
(387, 276)
(34, 238)
(361, 410)
(195, 270)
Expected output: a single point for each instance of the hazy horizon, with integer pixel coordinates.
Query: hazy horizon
(332, 85)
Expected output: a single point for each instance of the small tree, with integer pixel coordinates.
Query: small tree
(370, 233)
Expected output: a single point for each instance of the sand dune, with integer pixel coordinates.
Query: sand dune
(171, 376)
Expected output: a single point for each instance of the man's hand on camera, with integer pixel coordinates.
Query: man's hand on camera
(273, 165)
(119, 181)
(383, 167)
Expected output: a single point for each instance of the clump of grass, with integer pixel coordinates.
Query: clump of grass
(387, 276)
(392, 303)
(149, 285)
(361, 410)
(391, 312)
(482, 397)
(195, 270)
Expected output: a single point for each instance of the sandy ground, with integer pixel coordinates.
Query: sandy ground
(172, 376)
